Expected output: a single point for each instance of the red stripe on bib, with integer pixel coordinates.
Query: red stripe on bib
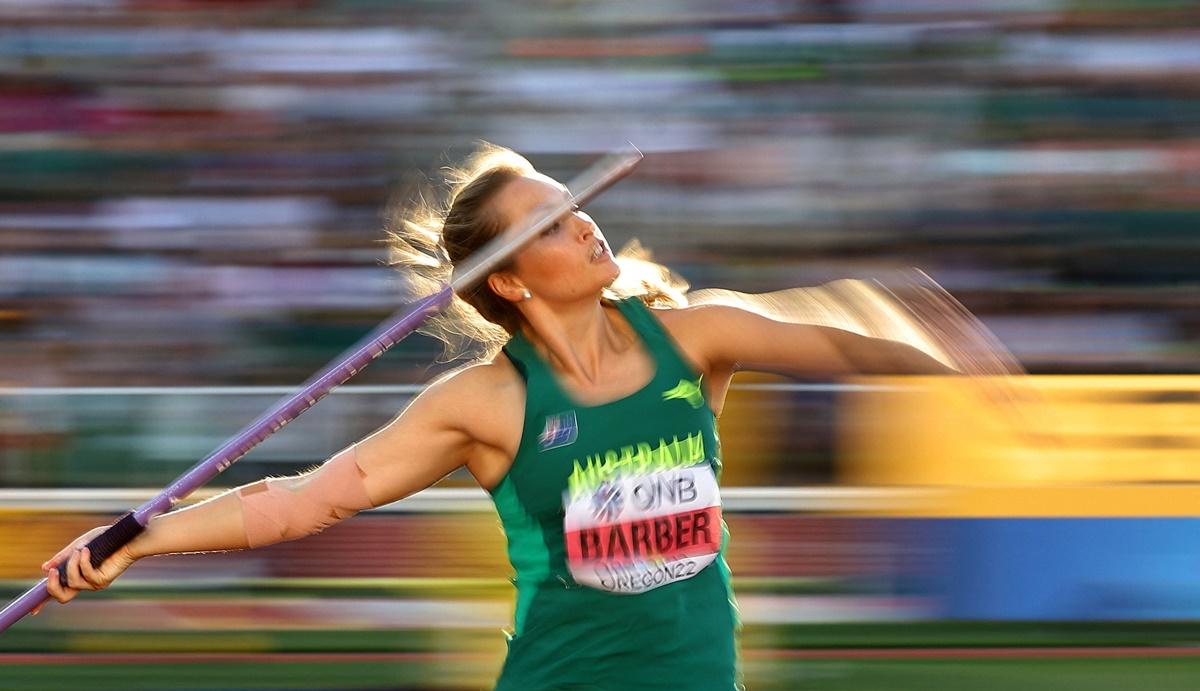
(674, 536)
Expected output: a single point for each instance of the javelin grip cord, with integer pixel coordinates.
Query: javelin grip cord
(107, 543)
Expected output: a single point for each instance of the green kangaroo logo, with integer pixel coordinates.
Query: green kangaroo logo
(686, 390)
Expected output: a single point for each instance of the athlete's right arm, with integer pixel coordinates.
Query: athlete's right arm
(428, 440)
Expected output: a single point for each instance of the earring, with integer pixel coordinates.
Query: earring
(527, 295)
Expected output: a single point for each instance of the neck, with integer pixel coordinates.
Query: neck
(576, 339)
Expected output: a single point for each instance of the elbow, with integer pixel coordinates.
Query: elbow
(273, 511)
(283, 509)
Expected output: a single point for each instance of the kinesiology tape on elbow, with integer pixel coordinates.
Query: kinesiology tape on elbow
(279, 509)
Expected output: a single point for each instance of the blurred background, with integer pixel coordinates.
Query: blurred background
(191, 201)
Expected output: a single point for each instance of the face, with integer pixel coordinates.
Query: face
(571, 260)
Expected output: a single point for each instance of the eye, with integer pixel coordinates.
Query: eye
(558, 224)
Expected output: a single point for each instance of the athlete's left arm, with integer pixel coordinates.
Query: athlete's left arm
(724, 338)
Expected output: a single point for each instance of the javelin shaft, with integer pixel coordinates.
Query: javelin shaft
(131, 524)
(361, 354)
(591, 183)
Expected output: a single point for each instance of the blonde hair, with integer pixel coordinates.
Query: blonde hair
(428, 236)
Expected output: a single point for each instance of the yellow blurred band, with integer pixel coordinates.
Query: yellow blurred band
(1029, 446)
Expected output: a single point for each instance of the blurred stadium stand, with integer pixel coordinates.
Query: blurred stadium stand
(191, 197)
(191, 192)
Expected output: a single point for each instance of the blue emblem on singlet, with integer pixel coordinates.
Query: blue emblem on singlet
(561, 430)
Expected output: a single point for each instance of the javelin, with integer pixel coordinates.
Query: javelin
(585, 187)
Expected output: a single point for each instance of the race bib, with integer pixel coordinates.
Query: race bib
(638, 532)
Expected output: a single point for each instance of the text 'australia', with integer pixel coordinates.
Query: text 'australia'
(643, 457)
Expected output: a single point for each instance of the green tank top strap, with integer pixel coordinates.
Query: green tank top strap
(660, 344)
(539, 380)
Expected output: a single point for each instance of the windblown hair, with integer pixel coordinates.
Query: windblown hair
(435, 230)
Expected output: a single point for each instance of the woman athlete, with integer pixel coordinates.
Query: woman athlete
(593, 429)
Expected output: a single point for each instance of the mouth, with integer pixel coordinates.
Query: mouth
(598, 250)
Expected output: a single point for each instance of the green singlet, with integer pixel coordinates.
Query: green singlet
(614, 529)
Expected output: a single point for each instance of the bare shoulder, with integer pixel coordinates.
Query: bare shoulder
(732, 337)
(497, 376)
(480, 384)
(694, 327)
(485, 399)
(691, 329)
(693, 317)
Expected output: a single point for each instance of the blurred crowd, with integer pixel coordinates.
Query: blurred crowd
(192, 192)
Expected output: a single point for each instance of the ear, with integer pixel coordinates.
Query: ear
(507, 286)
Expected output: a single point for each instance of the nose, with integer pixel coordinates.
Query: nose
(584, 226)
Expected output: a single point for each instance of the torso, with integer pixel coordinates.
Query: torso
(497, 433)
(611, 511)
